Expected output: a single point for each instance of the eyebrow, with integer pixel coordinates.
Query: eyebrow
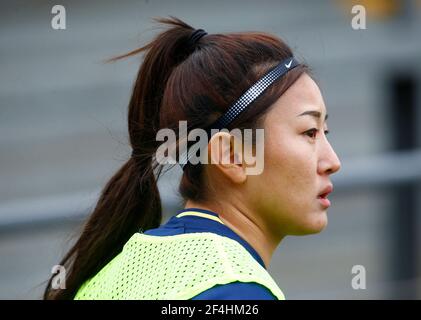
(313, 113)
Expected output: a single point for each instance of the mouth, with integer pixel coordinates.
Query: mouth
(322, 197)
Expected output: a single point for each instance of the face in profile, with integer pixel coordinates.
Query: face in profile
(290, 193)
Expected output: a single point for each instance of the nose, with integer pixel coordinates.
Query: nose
(329, 162)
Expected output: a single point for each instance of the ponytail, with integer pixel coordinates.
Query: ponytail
(130, 200)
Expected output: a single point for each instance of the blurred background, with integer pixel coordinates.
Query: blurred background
(63, 132)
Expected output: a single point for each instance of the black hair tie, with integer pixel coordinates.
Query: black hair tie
(196, 36)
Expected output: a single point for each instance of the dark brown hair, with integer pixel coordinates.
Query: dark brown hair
(175, 82)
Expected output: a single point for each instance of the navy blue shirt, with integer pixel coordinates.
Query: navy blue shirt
(192, 220)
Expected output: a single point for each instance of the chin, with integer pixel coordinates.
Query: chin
(320, 223)
(314, 225)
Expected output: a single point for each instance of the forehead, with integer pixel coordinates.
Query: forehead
(303, 95)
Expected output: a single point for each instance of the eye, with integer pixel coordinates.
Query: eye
(311, 133)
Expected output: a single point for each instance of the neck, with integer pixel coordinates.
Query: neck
(246, 226)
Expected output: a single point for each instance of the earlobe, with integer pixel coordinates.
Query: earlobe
(225, 158)
(234, 172)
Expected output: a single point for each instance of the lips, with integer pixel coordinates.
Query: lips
(325, 192)
(322, 197)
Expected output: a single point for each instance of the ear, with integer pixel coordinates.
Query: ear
(225, 153)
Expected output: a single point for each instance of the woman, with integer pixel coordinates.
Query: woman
(220, 245)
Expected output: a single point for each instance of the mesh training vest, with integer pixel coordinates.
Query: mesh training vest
(176, 267)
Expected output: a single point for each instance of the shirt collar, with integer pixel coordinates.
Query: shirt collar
(195, 218)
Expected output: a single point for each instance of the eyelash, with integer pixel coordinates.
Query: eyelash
(314, 130)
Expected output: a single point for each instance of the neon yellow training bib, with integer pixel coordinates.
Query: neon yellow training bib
(176, 267)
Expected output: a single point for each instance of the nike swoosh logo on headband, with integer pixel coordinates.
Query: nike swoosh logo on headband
(289, 64)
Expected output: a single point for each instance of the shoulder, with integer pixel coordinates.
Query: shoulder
(236, 291)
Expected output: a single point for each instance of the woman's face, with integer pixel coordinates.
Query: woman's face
(298, 163)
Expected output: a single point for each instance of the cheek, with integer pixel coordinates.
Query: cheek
(291, 162)
(288, 183)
